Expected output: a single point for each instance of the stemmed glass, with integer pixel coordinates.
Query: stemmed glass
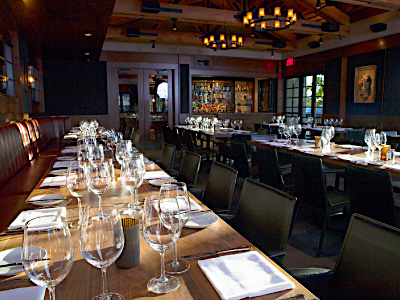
(225, 123)
(378, 144)
(369, 133)
(291, 131)
(161, 230)
(239, 123)
(122, 150)
(95, 152)
(77, 185)
(99, 179)
(101, 242)
(297, 130)
(178, 191)
(233, 124)
(281, 129)
(132, 173)
(47, 251)
(273, 119)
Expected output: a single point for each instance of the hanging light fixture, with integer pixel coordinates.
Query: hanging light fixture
(275, 22)
(222, 41)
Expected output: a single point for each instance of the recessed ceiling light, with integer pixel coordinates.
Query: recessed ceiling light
(88, 34)
(87, 53)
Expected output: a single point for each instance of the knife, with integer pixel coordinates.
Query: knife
(11, 265)
(207, 254)
(200, 212)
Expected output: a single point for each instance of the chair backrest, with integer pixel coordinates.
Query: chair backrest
(240, 162)
(257, 126)
(389, 133)
(369, 263)
(371, 194)
(167, 157)
(242, 138)
(189, 168)
(269, 169)
(188, 140)
(220, 187)
(264, 216)
(176, 139)
(309, 181)
(356, 136)
(167, 133)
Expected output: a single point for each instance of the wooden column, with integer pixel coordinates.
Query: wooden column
(343, 89)
(280, 105)
(19, 74)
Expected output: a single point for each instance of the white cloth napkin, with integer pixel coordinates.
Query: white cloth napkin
(31, 293)
(27, 215)
(70, 150)
(306, 150)
(350, 158)
(156, 175)
(244, 275)
(64, 164)
(54, 181)
(70, 136)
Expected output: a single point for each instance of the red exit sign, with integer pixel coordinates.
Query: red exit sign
(290, 62)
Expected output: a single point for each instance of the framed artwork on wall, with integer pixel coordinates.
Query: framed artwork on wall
(365, 84)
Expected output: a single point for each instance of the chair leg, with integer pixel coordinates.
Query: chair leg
(321, 240)
(293, 218)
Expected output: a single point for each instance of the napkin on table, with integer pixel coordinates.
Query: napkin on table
(64, 164)
(54, 181)
(156, 175)
(32, 293)
(27, 215)
(244, 275)
(69, 150)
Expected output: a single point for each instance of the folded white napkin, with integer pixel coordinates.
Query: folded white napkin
(64, 164)
(193, 204)
(306, 150)
(70, 136)
(394, 167)
(32, 293)
(350, 158)
(27, 215)
(244, 275)
(156, 175)
(70, 150)
(54, 181)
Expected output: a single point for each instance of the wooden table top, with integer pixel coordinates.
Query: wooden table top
(84, 280)
(358, 153)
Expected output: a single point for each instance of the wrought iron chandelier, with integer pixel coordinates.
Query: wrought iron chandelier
(275, 22)
(223, 42)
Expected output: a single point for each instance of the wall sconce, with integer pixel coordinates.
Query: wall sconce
(30, 76)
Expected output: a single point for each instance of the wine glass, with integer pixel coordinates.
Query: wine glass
(383, 138)
(77, 185)
(378, 144)
(82, 154)
(273, 119)
(132, 174)
(161, 230)
(95, 153)
(122, 150)
(47, 251)
(233, 124)
(178, 191)
(239, 123)
(101, 241)
(326, 122)
(281, 129)
(99, 179)
(297, 130)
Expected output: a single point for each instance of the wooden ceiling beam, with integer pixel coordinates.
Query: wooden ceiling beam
(329, 13)
(188, 38)
(204, 15)
(382, 4)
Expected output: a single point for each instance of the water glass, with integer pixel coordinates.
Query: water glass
(161, 231)
(77, 185)
(47, 251)
(101, 241)
(99, 179)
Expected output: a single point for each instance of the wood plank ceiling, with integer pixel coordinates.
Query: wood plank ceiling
(195, 18)
(55, 29)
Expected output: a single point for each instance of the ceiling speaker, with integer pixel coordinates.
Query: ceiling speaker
(378, 27)
(279, 44)
(314, 45)
(330, 27)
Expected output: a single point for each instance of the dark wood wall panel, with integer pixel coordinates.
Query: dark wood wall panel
(332, 86)
(391, 105)
(75, 87)
(184, 88)
(372, 58)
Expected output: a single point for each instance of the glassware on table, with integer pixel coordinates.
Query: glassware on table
(225, 123)
(273, 119)
(77, 185)
(297, 130)
(291, 131)
(177, 191)
(95, 153)
(378, 144)
(101, 241)
(132, 174)
(233, 124)
(82, 153)
(47, 251)
(122, 150)
(161, 231)
(281, 129)
(341, 122)
(239, 124)
(99, 179)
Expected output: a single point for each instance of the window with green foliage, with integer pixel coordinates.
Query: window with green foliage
(307, 93)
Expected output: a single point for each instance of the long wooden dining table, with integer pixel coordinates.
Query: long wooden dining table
(338, 155)
(84, 280)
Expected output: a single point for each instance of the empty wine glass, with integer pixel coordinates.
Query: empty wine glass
(326, 122)
(297, 130)
(239, 124)
(82, 154)
(225, 123)
(161, 232)
(99, 178)
(281, 129)
(77, 185)
(47, 251)
(122, 150)
(101, 241)
(273, 119)
(233, 124)
(378, 144)
(132, 173)
(177, 191)
(95, 153)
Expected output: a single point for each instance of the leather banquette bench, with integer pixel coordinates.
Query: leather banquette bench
(27, 148)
